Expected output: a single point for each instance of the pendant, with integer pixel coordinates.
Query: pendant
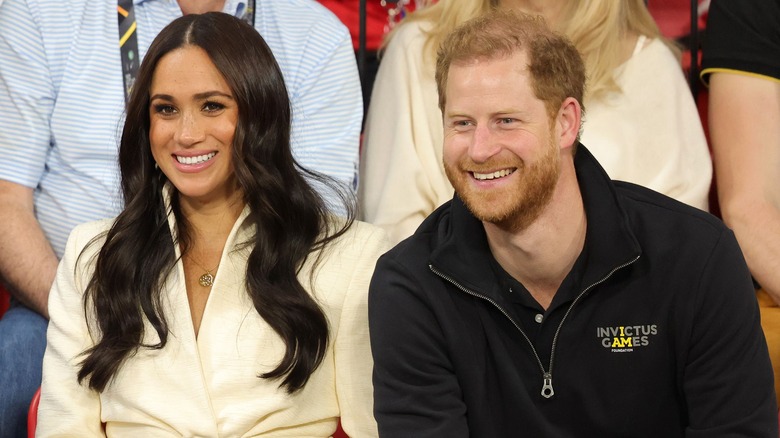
(206, 280)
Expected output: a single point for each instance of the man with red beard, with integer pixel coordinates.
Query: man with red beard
(546, 300)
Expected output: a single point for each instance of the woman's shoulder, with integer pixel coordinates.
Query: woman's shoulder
(369, 231)
(412, 33)
(655, 65)
(84, 233)
(361, 242)
(359, 234)
(93, 228)
(656, 50)
(350, 256)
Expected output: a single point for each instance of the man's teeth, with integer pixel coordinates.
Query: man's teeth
(195, 160)
(497, 174)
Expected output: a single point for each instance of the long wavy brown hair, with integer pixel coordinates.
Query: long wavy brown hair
(290, 217)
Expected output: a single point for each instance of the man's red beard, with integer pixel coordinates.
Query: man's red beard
(514, 207)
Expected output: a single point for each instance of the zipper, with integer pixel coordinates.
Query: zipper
(547, 383)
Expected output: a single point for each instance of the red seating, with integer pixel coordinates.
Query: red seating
(32, 414)
(5, 300)
(674, 16)
(340, 432)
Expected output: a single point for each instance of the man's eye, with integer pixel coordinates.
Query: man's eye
(506, 120)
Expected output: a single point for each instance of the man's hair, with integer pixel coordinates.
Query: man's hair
(556, 68)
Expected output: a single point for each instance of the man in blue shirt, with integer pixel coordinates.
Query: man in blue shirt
(61, 79)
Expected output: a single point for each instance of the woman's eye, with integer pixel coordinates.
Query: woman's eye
(164, 109)
(213, 107)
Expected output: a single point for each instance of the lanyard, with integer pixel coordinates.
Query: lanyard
(128, 38)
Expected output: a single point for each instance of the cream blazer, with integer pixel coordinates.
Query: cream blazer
(209, 386)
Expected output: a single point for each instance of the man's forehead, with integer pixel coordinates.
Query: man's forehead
(498, 68)
(518, 56)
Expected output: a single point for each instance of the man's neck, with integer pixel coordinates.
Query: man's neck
(201, 6)
(541, 255)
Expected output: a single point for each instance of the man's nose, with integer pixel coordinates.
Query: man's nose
(484, 144)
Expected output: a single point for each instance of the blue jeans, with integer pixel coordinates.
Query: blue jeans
(22, 343)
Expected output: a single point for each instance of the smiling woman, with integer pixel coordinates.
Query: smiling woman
(193, 118)
(224, 300)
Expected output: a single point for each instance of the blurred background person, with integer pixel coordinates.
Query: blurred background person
(381, 17)
(741, 64)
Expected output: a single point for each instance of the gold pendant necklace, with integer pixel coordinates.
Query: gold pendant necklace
(207, 279)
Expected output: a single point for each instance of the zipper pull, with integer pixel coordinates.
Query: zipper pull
(547, 388)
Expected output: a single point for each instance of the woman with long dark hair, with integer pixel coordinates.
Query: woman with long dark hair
(224, 300)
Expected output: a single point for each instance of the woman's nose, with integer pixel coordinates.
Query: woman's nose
(189, 131)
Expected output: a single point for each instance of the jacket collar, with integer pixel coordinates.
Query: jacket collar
(460, 248)
(241, 233)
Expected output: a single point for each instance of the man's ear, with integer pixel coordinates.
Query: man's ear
(567, 124)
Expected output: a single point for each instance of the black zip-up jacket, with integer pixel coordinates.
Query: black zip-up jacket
(654, 333)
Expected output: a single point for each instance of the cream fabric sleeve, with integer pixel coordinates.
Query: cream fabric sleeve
(352, 352)
(68, 408)
(651, 134)
(402, 176)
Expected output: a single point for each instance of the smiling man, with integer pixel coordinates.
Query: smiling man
(546, 299)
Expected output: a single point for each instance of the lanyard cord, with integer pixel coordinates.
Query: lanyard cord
(128, 38)
(128, 44)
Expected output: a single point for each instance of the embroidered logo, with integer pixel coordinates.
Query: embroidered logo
(624, 339)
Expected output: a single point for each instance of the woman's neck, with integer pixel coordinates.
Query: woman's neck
(551, 10)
